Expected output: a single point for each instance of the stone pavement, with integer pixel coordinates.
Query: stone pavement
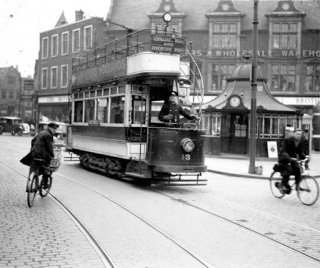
(43, 236)
(238, 166)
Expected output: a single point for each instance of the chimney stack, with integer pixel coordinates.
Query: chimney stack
(79, 15)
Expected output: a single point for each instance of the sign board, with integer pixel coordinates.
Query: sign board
(272, 149)
(167, 44)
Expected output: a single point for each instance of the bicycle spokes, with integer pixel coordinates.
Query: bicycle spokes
(308, 190)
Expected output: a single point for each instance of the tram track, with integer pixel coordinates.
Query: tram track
(168, 236)
(248, 228)
(106, 259)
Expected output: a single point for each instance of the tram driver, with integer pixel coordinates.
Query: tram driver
(171, 110)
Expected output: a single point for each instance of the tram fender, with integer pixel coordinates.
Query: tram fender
(138, 169)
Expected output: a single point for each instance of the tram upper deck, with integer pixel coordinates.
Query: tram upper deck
(140, 53)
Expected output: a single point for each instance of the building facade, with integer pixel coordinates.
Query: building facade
(54, 65)
(221, 31)
(27, 101)
(10, 88)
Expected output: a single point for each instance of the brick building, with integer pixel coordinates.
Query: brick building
(54, 65)
(10, 87)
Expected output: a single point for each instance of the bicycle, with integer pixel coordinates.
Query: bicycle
(35, 182)
(307, 189)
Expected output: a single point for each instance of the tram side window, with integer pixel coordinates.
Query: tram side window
(117, 109)
(78, 111)
(138, 110)
(102, 110)
(89, 110)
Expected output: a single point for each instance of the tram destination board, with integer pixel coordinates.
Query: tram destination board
(168, 44)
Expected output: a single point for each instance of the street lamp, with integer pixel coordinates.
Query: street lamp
(253, 111)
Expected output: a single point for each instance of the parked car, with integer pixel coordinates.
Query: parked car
(13, 125)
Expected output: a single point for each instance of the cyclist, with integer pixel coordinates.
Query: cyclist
(291, 150)
(42, 148)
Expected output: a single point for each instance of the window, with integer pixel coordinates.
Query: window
(3, 94)
(219, 75)
(102, 110)
(224, 35)
(76, 40)
(64, 43)
(211, 122)
(138, 115)
(312, 78)
(284, 35)
(87, 37)
(78, 111)
(44, 78)
(273, 126)
(89, 110)
(54, 77)
(11, 94)
(11, 80)
(54, 45)
(283, 78)
(45, 47)
(64, 75)
(117, 109)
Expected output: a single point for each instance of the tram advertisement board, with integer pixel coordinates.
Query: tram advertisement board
(168, 44)
(110, 70)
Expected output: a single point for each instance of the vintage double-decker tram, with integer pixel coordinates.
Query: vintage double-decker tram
(117, 92)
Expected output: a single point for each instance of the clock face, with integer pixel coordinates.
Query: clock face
(167, 17)
(235, 101)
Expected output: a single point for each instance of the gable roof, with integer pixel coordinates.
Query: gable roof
(195, 12)
(62, 20)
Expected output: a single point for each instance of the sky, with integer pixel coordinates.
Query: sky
(21, 22)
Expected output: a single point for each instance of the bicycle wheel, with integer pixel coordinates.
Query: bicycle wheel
(31, 188)
(275, 178)
(308, 190)
(44, 191)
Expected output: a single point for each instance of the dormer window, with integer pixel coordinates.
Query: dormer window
(225, 35)
(284, 35)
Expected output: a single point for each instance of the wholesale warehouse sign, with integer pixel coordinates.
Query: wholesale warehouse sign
(168, 44)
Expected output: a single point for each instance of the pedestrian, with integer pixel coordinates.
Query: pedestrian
(290, 152)
(171, 110)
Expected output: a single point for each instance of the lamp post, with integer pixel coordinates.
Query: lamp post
(253, 111)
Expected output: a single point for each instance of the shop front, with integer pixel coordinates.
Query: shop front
(53, 108)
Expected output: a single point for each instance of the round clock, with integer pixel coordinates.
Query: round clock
(167, 17)
(235, 101)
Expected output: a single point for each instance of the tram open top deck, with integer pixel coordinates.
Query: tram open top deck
(141, 53)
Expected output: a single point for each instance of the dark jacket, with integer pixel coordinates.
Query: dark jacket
(174, 109)
(291, 150)
(305, 145)
(42, 146)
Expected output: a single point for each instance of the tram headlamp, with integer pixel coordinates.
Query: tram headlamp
(187, 145)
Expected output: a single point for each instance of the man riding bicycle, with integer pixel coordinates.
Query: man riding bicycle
(291, 150)
(42, 148)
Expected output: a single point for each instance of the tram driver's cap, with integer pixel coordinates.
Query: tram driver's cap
(53, 125)
(173, 93)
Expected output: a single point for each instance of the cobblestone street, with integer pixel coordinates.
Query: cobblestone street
(43, 236)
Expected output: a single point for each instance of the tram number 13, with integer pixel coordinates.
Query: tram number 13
(186, 157)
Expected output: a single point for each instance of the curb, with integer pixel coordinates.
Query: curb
(246, 176)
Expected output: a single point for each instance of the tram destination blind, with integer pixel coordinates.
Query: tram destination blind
(168, 44)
